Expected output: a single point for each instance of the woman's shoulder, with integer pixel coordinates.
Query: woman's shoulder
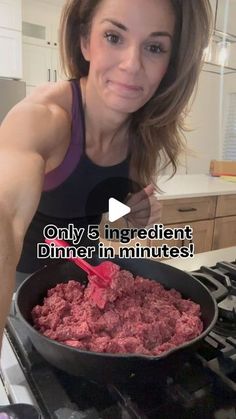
(46, 108)
(57, 94)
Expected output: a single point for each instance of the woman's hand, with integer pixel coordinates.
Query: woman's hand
(145, 208)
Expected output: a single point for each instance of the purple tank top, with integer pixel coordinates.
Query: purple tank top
(75, 192)
(73, 154)
(79, 182)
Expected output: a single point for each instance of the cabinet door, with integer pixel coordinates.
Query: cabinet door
(57, 73)
(41, 21)
(225, 232)
(35, 34)
(11, 54)
(188, 209)
(202, 236)
(226, 205)
(36, 64)
(55, 24)
(10, 14)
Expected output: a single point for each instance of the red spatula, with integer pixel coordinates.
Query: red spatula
(103, 272)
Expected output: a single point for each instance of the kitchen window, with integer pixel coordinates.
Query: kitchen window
(229, 146)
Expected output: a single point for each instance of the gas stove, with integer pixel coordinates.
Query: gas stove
(203, 386)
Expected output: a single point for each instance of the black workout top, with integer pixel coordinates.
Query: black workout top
(77, 191)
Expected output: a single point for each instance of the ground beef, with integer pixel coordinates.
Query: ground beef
(135, 315)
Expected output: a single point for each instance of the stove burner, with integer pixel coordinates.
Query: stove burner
(227, 307)
(225, 328)
(225, 274)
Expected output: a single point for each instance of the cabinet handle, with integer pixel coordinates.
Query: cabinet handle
(187, 209)
(49, 43)
(55, 74)
(49, 74)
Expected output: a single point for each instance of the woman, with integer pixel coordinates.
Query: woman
(132, 67)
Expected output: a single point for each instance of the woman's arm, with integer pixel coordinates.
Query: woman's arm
(18, 202)
(28, 136)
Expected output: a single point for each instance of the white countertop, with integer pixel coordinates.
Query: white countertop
(188, 186)
(207, 258)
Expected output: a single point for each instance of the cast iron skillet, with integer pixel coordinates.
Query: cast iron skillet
(114, 368)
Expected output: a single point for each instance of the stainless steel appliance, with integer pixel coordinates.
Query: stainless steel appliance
(11, 92)
(203, 386)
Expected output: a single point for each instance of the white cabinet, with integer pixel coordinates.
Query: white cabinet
(11, 54)
(40, 34)
(40, 43)
(33, 33)
(40, 22)
(40, 65)
(56, 66)
(55, 33)
(10, 14)
(10, 39)
(36, 64)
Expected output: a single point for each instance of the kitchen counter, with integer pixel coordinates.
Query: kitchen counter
(188, 186)
(207, 258)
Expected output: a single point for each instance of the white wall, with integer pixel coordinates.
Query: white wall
(204, 121)
(229, 87)
(208, 114)
(207, 120)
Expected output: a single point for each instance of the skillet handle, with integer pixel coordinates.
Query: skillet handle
(217, 289)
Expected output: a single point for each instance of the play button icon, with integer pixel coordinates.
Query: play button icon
(117, 209)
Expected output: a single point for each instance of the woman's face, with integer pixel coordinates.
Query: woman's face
(129, 49)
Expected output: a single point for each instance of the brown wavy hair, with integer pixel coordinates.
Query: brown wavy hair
(157, 129)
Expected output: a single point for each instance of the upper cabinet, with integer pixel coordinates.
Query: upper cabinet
(10, 14)
(40, 23)
(11, 50)
(43, 34)
(10, 39)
